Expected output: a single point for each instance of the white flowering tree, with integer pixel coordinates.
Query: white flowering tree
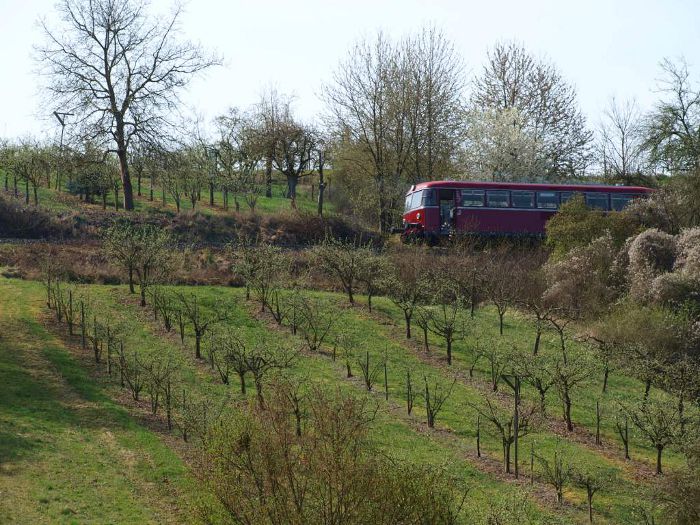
(499, 147)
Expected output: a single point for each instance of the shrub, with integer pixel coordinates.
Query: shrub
(28, 222)
(576, 225)
(651, 253)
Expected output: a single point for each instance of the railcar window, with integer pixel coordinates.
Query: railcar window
(472, 197)
(522, 199)
(497, 198)
(547, 200)
(407, 206)
(619, 200)
(429, 198)
(598, 201)
(566, 196)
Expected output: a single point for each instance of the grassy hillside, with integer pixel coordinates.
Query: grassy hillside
(69, 453)
(452, 445)
(62, 202)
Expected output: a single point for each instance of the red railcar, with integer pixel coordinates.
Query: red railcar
(442, 208)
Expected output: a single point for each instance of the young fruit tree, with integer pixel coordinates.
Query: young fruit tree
(503, 420)
(658, 421)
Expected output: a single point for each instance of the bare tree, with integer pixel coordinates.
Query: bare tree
(437, 104)
(444, 318)
(435, 397)
(294, 151)
(658, 421)
(505, 423)
(369, 102)
(407, 286)
(224, 348)
(539, 371)
(531, 298)
(557, 472)
(672, 129)
(342, 260)
(262, 359)
(370, 372)
(592, 479)
(239, 155)
(569, 375)
(620, 142)
(201, 319)
(30, 163)
(119, 70)
(373, 274)
(316, 321)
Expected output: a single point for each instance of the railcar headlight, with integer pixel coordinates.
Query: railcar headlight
(418, 215)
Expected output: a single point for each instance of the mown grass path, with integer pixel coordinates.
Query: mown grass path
(68, 453)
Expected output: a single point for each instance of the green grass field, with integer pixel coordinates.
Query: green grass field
(451, 445)
(61, 201)
(68, 452)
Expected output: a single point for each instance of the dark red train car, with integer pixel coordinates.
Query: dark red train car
(442, 208)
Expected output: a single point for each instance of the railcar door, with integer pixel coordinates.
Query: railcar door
(447, 202)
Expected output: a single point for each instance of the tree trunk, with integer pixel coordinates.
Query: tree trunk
(292, 182)
(659, 450)
(241, 376)
(567, 411)
(321, 185)
(268, 176)
(543, 402)
(590, 505)
(407, 318)
(131, 281)
(36, 196)
(478, 436)
(506, 457)
(126, 179)
(500, 322)
(449, 350)
(647, 388)
(297, 416)
(211, 194)
(605, 379)
(538, 336)
(198, 345)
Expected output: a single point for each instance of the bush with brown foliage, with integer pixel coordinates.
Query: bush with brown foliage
(261, 471)
(22, 221)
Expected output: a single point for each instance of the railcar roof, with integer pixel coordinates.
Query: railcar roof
(528, 186)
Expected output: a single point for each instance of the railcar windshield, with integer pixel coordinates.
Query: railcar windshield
(413, 200)
(419, 198)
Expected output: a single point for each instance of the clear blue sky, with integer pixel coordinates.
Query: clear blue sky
(604, 47)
